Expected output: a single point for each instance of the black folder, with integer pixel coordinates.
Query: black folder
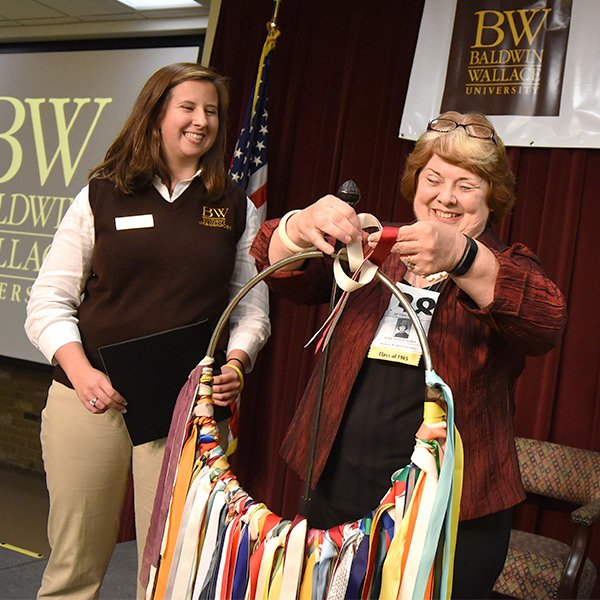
(150, 371)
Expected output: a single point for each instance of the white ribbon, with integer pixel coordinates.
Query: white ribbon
(363, 271)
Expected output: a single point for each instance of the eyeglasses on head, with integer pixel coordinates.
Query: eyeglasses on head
(475, 130)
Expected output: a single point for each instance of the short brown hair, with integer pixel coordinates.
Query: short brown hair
(135, 156)
(483, 157)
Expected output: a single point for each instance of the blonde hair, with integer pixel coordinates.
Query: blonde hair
(483, 157)
(135, 157)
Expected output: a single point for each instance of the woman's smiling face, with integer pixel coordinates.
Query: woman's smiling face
(450, 194)
(189, 124)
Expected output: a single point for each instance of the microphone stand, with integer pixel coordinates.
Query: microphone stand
(350, 193)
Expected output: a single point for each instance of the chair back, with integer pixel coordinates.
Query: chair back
(560, 472)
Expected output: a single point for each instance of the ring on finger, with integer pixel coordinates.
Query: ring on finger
(93, 402)
(409, 264)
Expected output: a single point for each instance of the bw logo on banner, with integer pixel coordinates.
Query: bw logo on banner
(507, 58)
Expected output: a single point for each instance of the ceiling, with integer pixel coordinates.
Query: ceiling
(50, 20)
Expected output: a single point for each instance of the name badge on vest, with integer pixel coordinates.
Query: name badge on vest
(134, 222)
(396, 339)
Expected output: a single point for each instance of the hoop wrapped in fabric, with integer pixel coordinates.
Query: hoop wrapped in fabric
(210, 540)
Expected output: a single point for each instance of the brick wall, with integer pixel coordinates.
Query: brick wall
(23, 388)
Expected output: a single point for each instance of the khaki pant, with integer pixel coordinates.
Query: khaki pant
(88, 459)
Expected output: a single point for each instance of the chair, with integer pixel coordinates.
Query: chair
(543, 567)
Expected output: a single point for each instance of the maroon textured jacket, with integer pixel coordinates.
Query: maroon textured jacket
(479, 353)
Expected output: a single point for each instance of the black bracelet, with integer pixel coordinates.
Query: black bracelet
(240, 361)
(467, 259)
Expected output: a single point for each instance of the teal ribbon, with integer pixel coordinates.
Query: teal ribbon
(442, 506)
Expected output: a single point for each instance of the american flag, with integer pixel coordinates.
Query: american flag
(249, 168)
(249, 162)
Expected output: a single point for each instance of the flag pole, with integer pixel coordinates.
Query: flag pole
(249, 162)
(272, 24)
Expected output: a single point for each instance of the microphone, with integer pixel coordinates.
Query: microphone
(349, 193)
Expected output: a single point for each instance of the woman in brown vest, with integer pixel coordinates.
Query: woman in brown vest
(156, 241)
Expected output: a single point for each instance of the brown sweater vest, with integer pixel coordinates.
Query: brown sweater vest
(148, 280)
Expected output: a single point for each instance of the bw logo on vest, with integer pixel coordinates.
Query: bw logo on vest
(214, 217)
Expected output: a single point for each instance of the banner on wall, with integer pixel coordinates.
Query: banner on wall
(56, 123)
(529, 65)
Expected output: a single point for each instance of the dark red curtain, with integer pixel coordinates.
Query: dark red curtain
(339, 77)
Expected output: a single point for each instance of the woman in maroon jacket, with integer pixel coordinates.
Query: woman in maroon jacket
(485, 307)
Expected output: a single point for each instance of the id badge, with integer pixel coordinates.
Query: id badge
(396, 339)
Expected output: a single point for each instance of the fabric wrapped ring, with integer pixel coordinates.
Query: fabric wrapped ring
(93, 402)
